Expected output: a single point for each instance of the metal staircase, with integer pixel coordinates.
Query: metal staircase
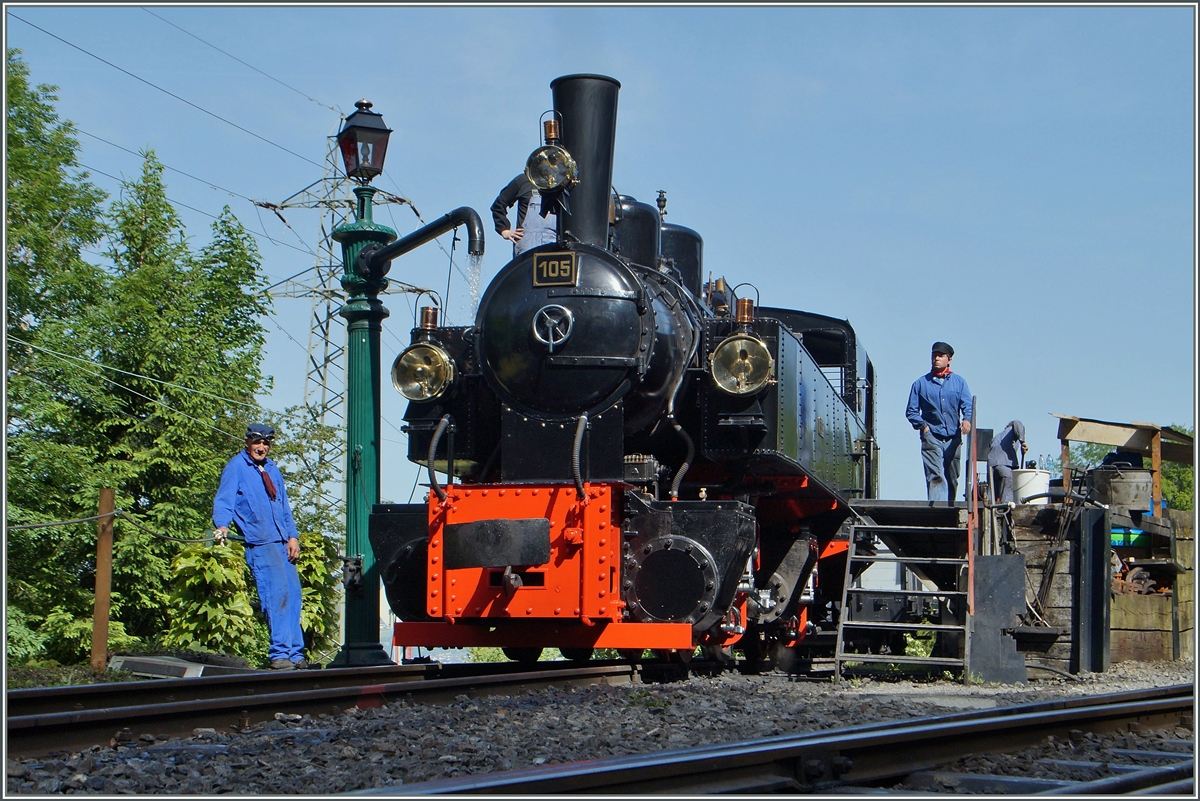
(932, 544)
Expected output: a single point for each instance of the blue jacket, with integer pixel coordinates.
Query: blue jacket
(1003, 452)
(940, 403)
(242, 498)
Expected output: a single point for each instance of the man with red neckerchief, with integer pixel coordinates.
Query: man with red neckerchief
(939, 408)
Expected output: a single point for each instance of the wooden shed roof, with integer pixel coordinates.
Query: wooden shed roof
(1138, 437)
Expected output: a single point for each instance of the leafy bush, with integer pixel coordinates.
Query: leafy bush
(210, 603)
(69, 639)
(23, 643)
(320, 608)
(486, 655)
(919, 644)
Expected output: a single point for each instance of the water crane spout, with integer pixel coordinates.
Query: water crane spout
(377, 260)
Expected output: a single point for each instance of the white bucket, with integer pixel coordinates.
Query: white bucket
(1031, 482)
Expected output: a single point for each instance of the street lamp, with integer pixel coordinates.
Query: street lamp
(363, 143)
(366, 259)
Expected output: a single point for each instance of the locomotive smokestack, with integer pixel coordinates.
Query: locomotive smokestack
(588, 107)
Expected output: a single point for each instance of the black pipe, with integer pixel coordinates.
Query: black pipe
(442, 425)
(1058, 494)
(576, 450)
(588, 106)
(464, 215)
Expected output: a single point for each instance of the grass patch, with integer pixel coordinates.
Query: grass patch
(52, 674)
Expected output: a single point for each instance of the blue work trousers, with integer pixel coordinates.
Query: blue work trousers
(279, 590)
(940, 459)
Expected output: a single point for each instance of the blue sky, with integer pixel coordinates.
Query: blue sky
(1019, 182)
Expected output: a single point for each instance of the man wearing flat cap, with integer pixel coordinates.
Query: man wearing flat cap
(939, 408)
(252, 497)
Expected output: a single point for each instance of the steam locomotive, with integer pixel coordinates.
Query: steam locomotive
(637, 458)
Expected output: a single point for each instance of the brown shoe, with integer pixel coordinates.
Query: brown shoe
(300, 664)
(282, 664)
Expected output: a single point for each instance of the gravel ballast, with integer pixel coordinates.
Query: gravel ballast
(406, 742)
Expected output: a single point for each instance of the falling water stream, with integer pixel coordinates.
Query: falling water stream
(474, 269)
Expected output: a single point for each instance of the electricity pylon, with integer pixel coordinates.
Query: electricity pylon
(324, 380)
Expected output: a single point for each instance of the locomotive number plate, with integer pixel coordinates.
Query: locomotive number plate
(555, 269)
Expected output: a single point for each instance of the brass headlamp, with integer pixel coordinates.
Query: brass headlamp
(423, 371)
(741, 364)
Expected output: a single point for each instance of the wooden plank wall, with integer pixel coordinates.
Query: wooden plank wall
(1034, 528)
(1185, 585)
(1142, 626)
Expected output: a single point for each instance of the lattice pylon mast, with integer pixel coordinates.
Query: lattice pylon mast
(325, 378)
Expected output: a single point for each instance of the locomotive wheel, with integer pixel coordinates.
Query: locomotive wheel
(576, 654)
(758, 653)
(524, 656)
(715, 653)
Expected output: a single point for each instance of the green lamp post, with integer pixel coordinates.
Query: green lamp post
(363, 142)
(367, 253)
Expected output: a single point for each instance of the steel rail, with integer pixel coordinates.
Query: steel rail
(825, 760)
(36, 734)
(1149, 779)
(73, 698)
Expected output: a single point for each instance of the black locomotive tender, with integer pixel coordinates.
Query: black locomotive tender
(639, 458)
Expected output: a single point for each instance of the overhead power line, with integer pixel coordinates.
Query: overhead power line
(205, 213)
(243, 63)
(94, 363)
(172, 169)
(166, 92)
(258, 204)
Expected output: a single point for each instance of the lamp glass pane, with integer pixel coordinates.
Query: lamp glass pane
(422, 372)
(741, 365)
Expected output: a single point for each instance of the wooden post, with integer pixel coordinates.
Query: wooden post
(104, 546)
(1156, 479)
(1066, 465)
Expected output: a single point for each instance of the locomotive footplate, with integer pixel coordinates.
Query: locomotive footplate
(549, 635)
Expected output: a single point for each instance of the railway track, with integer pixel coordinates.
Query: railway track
(870, 758)
(75, 718)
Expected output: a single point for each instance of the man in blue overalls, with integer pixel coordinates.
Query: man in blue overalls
(533, 227)
(252, 497)
(939, 408)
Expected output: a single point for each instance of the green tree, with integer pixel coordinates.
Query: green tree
(141, 386)
(1179, 480)
(52, 213)
(141, 377)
